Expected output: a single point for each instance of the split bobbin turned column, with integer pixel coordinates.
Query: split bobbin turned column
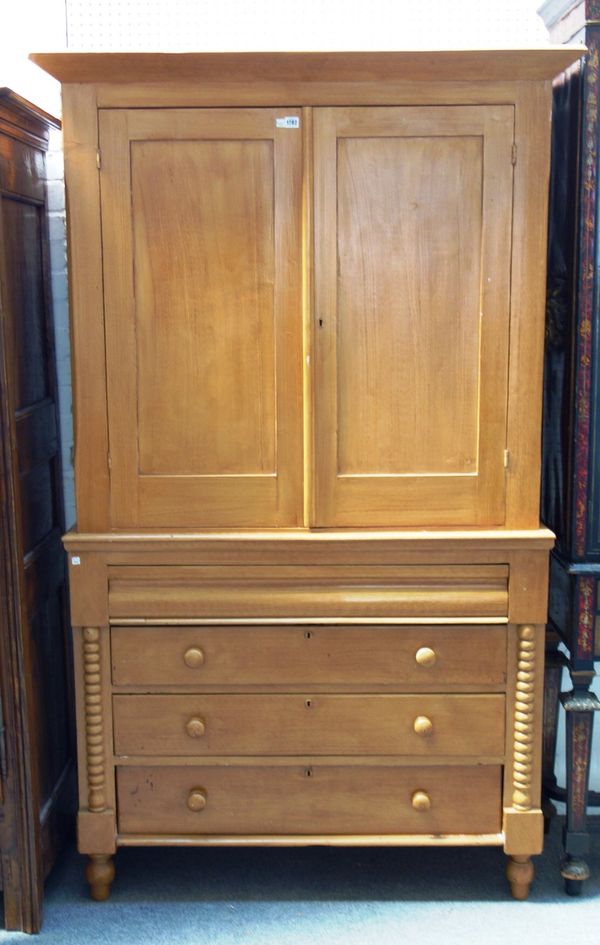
(93, 824)
(524, 834)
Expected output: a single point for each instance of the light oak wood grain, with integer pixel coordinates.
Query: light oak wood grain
(201, 229)
(86, 302)
(525, 695)
(304, 840)
(307, 761)
(523, 831)
(474, 543)
(303, 655)
(261, 92)
(96, 832)
(308, 373)
(308, 256)
(528, 278)
(528, 593)
(97, 702)
(437, 64)
(398, 280)
(353, 591)
(364, 574)
(317, 799)
(209, 350)
(412, 221)
(309, 723)
(101, 556)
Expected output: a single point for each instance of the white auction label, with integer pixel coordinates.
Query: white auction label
(290, 121)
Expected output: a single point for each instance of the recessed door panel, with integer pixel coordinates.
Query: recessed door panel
(203, 281)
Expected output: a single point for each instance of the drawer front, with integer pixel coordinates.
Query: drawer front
(338, 591)
(419, 725)
(319, 800)
(302, 655)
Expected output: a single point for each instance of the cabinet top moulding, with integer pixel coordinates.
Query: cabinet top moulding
(468, 65)
(23, 121)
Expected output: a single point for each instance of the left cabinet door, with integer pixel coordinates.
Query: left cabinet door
(201, 232)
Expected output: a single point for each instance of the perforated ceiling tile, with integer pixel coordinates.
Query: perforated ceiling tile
(300, 24)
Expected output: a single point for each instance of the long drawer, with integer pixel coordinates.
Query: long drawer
(308, 655)
(309, 724)
(318, 800)
(280, 590)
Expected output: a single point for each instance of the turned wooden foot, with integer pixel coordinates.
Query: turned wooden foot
(519, 871)
(100, 873)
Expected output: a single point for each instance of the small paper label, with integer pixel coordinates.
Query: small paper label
(290, 121)
(75, 560)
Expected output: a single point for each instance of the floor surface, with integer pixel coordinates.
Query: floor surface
(358, 896)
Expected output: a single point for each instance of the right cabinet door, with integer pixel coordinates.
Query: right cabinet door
(413, 218)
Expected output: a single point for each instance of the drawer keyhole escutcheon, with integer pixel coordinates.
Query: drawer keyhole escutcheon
(197, 799)
(425, 656)
(422, 725)
(196, 727)
(421, 801)
(194, 657)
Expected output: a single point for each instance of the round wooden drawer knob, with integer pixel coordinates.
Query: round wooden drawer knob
(195, 728)
(425, 656)
(422, 725)
(197, 799)
(421, 801)
(193, 657)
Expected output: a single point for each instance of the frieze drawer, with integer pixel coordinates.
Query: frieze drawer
(473, 590)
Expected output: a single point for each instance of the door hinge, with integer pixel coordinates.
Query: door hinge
(109, 460)
(506, 458)
(99, 159)
(513, 155)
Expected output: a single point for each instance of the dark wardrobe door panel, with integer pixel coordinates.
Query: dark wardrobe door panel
(560, 311)
(37, 778)
(25, 295)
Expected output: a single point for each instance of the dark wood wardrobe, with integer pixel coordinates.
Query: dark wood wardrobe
(36, 757)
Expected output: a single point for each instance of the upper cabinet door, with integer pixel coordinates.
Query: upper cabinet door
(413, 210)
(201, 230)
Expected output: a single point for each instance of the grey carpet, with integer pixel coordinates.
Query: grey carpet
(317, 895)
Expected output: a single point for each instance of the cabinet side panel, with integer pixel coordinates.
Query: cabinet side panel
(532, 171)
(86, 301)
